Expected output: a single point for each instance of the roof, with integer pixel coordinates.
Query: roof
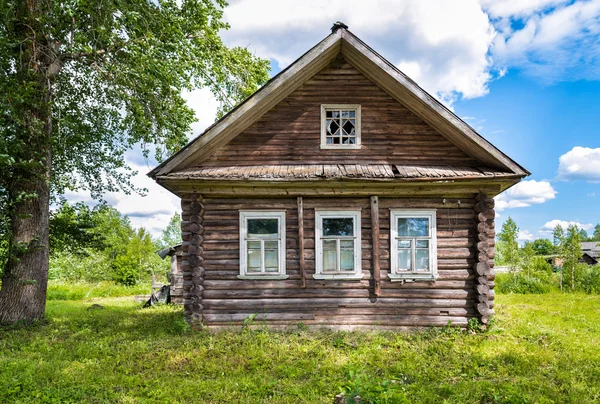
(374, 67)
(592, 248)
(339, 171)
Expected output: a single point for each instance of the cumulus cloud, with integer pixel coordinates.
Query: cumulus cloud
(556, 40)
(549, 226)
(442, 45)
(525, 193)
(525, 235)
(580, 163)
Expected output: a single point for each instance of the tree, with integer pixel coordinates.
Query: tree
(73, 228)
(596, 236)
(81, 82)
(542, 246)
(171, 235)
(572, 250)
(508, 243)
(527, 255)
(583, 235)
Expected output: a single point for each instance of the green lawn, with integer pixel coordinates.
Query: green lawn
(543, 348)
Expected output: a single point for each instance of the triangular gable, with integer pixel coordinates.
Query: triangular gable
(374, 67)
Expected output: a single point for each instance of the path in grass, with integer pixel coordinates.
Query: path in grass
(544, 348)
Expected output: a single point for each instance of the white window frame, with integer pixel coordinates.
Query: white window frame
(324, 108)
(396, 274)
(262, 214)
(337, 214)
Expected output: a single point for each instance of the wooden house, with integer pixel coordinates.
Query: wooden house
(340, 194)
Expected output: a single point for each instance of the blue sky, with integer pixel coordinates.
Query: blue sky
(524, 73)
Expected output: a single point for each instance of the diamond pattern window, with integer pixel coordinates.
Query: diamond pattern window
(340, 126)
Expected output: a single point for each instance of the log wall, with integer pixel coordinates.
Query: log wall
(214, 295)
(290, 133)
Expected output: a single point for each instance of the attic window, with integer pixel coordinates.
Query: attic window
(340, 126)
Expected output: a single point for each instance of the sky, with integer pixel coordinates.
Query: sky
(524, 73)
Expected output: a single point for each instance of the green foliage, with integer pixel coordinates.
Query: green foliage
(116, 251)
(542, 246)
(508, 246)
(523, 284)
(171, 235)
(73, 228)
(596, 235)
(127, 354)
(61, 290)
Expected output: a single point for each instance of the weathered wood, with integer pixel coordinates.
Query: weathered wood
(301, 242)
(375, 250)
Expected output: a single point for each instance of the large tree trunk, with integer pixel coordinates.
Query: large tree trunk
(23, 293)
(25, 279)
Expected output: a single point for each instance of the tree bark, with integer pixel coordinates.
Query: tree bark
(25, 279)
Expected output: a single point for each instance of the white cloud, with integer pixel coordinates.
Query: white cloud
(525, 193)
(580, 163)
(525, 235)
(205, 104)
(518, 8)
(557, 40)
(442, 45)
(549, 226)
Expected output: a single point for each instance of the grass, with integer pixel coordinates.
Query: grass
(63, 290)
(542, 349)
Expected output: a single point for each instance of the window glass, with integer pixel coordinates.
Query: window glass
(404, 258)
(347, 255)
(329, 255)
(413, 226)
(338, 226)
(253, 256)
(271, 256)
(263, 228)
(422, 259)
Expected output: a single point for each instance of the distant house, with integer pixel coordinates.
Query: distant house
(590, 252)
(341, 195)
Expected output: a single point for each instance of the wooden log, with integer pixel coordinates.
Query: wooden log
(484, 205)
(485, 215)
(482, 268)
(375, 249)
(301, 242)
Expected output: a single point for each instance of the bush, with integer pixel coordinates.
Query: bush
(93, 267)
(587, 278)
(524, 284)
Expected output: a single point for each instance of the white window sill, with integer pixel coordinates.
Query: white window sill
(265, 277)
(341, 146)
(412, 277)
(339, 276)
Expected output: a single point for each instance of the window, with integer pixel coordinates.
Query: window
(337, 245)
(340, 126)
(262, 245)
(413, 245)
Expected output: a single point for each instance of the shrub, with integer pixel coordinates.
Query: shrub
(524, 284)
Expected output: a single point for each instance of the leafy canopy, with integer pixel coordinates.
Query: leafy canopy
(116, 71)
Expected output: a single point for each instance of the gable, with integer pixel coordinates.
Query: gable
(290, 133)
(374, 67)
